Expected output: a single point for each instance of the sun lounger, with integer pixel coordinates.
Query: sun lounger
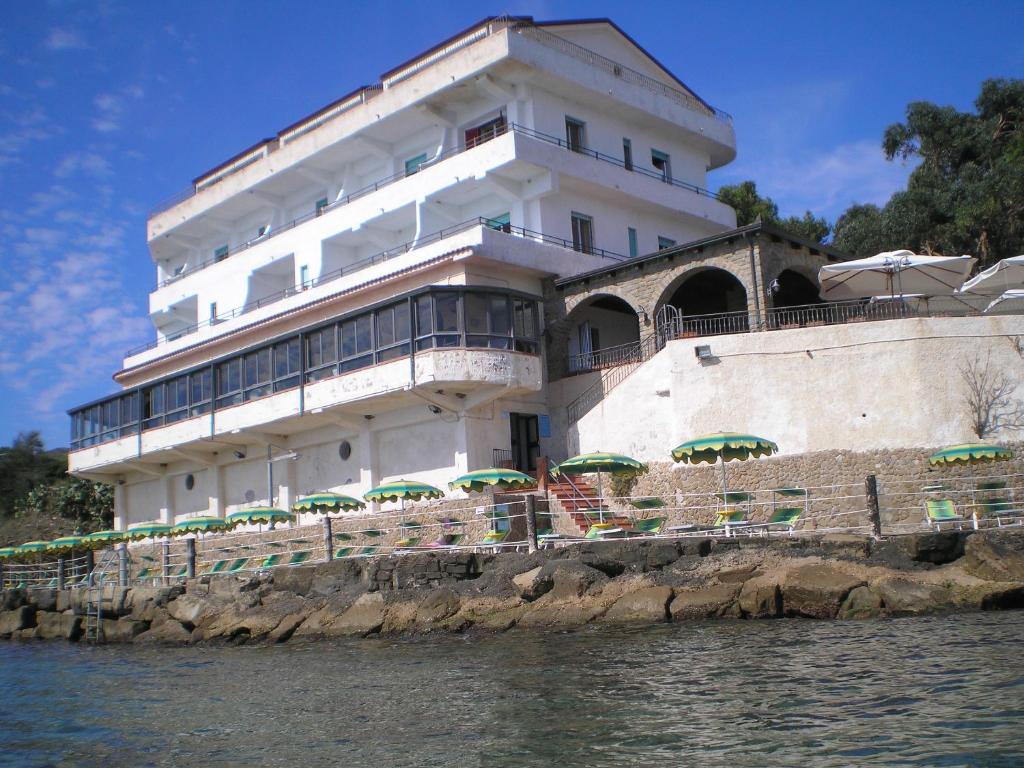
(238, 565)
(218, 567)
(368, 550)
(996, 504)
(145, 573)
(650, 526)
(298, 558)
(343, 552)
(939, 511)
(729, 518)
(603, 530)
(448, 540)
(494, 539)
(271, 560)
(407, 543)
(648, 503)
(785, 518)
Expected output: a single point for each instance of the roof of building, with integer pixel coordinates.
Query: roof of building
(754, 230)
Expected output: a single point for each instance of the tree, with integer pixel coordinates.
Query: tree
(90, 505)
(967, 193)
(750, 207)
(991, 398)
(24, 465)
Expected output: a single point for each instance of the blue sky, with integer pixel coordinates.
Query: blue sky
(107, 108)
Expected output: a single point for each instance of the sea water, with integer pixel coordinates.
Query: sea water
(940, 691)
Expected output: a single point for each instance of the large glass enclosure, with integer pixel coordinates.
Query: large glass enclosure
(424, 320)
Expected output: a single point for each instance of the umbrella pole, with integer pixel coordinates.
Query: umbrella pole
(600, 500)
(725, 481)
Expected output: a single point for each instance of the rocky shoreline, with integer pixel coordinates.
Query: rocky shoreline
(835, 576)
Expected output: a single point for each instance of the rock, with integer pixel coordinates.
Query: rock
(12, 598)
(23, 617)
(571, 579)
(144, 603)
(995, 555)
(529, 584)
(490, 613)
(861, 603)
(335, 576)
(937, 547)
(286, 628)
(737, 575)
(439, 605)
(43, 599)
(816, 591)
(190, 610)
(704, 603)
(249, 617)
(647, 606)
(167, 633)
(297, 579)
(987, 596)
(661, 554)
(364, 617)
(562, 614)
(122, 630)
(399, 617)
(849, 544)
(229, 586)
(323, 616)
(760, 598)
(902, 596)
(52, 626)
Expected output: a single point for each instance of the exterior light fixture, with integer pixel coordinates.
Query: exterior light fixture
(703, 352)
(239, 454)
(433, 409)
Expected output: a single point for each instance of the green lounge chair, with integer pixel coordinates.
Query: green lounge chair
(271, 560)
(181, 573)
(343, 552)
(650, 526)
(784, 517)
(342, 536)
(238, 565)
(368, 550)
(218, 567)
(939, 511)
(407, 543)
(649, 503)
(729, 518)
(447, 540)
(298, 558)
(997, 504)
(494, 539)
(601, 530)
(145, 573)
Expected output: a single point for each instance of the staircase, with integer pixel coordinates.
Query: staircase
(614, 375)
(100, 589)
(579, 501)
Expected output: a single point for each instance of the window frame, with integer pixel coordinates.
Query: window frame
(579, 127)
(578, 232)
(663, 157)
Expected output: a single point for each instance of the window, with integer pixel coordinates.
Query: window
(256, 371)
(524, 325)
(662, 164)
(321, 353)
(665, 242)
(627, 154)
(582, 233)
(488, 320)
(575, 134)
(221, 253)
(153, 407)
(412, 165)
(304, 276)
(176, 399)
(393, 331)
(261, 231)
(229, 382)
(213, 313)
(485, 131)
(200, 396)
(321, 204)
(356, 344)
(631, 236)
(502, 223)
(287, 364)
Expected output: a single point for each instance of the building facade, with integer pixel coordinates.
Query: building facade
(360, 298)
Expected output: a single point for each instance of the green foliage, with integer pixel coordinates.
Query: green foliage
(750, 207)
(90, 505)
(23, 466)
(622, 485)
(967, 194)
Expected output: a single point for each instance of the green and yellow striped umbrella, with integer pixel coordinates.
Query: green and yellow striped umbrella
(970, 453)
(100, 539)
(8, 552)
(200, 524)
(401, 490)
(64, 543)
(599, 461)
(325, 503)
(146, 531)
(268, 515)
(727, 446)
(505, 479)
(31, 546)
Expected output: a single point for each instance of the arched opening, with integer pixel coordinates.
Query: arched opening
(604, 331)
(708, 302)
(793, 297)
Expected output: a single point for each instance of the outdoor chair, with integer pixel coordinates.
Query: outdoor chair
(729, 518)
(142, 575)
(368, 550)
(448, 540)
(298, 558)
(238, 565)
(181, 573)
(601, 530)
(343, 552)
(493, 539)
(650, 526)
(407, 543)
(218, 567)
(939, 511)
(784, 518)
(997, 503)
(271, 560)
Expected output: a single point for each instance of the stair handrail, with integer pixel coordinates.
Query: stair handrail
(611, 377)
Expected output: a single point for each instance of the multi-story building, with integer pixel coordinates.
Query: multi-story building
(360, 293)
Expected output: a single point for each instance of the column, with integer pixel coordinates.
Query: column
(287, 483)
(369, 468)
(215, 489)
(120, 506)
(166, 496)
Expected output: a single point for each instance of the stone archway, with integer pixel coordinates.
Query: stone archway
(704, 302)
(793, 289)
(603, 331)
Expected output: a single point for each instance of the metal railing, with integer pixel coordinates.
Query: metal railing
(379, 258)
(502, 458)
(396, 177)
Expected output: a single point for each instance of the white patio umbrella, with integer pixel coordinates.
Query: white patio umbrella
(896, 273)
(1010, 301)
(1006, 275)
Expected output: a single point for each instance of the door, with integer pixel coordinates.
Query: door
(525, 441)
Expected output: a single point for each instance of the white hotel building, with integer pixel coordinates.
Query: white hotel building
(364, 288)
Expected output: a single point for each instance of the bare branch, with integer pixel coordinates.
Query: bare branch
(991, 398)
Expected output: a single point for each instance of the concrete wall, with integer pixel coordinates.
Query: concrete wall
(888, 384)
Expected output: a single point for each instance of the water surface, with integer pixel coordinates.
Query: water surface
(943, 691)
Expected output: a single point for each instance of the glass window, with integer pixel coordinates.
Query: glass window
(582, 233)
(229, 382)
(321, 347)
(424, 316)
(287, 364)
(476, 313)
(152, 406)
(485, 131)
(257, 372)
(219, 254)
(321, 204)
(665, 242)
(663, 164)
(413, 164)
(446, 312)
(575, 134)
(631, 236)
(201, 391)
(502, 223)
(627, 154)
(356, 343)
(393, 331)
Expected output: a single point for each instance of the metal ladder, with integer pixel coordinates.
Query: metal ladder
(96, 583)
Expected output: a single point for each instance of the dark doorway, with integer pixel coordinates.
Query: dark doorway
(525, 441)
(791, 289)
(708, 302)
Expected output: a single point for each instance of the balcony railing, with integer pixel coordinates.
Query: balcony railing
(393, 178)
(378, 258)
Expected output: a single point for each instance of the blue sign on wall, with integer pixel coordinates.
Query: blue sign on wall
(544, 425)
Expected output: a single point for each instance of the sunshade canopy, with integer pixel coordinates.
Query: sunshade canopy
(147, 530)
(6, 552)
(31, 546)
(970, 453)
(480, 479)
(326, 503)
(894, 273)
(200, 524)
(599, 461)
(1005, 275)
(105, 537)
(729, 446)
(259, 515)
(65, 543)
(403, 490)
(1009, 301)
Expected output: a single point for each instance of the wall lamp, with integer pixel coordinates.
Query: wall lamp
(703, 352)
(239, 454)
(434, 409)
(643, 311)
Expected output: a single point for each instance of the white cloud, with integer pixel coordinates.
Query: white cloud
(88, 163)
(64, 40)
